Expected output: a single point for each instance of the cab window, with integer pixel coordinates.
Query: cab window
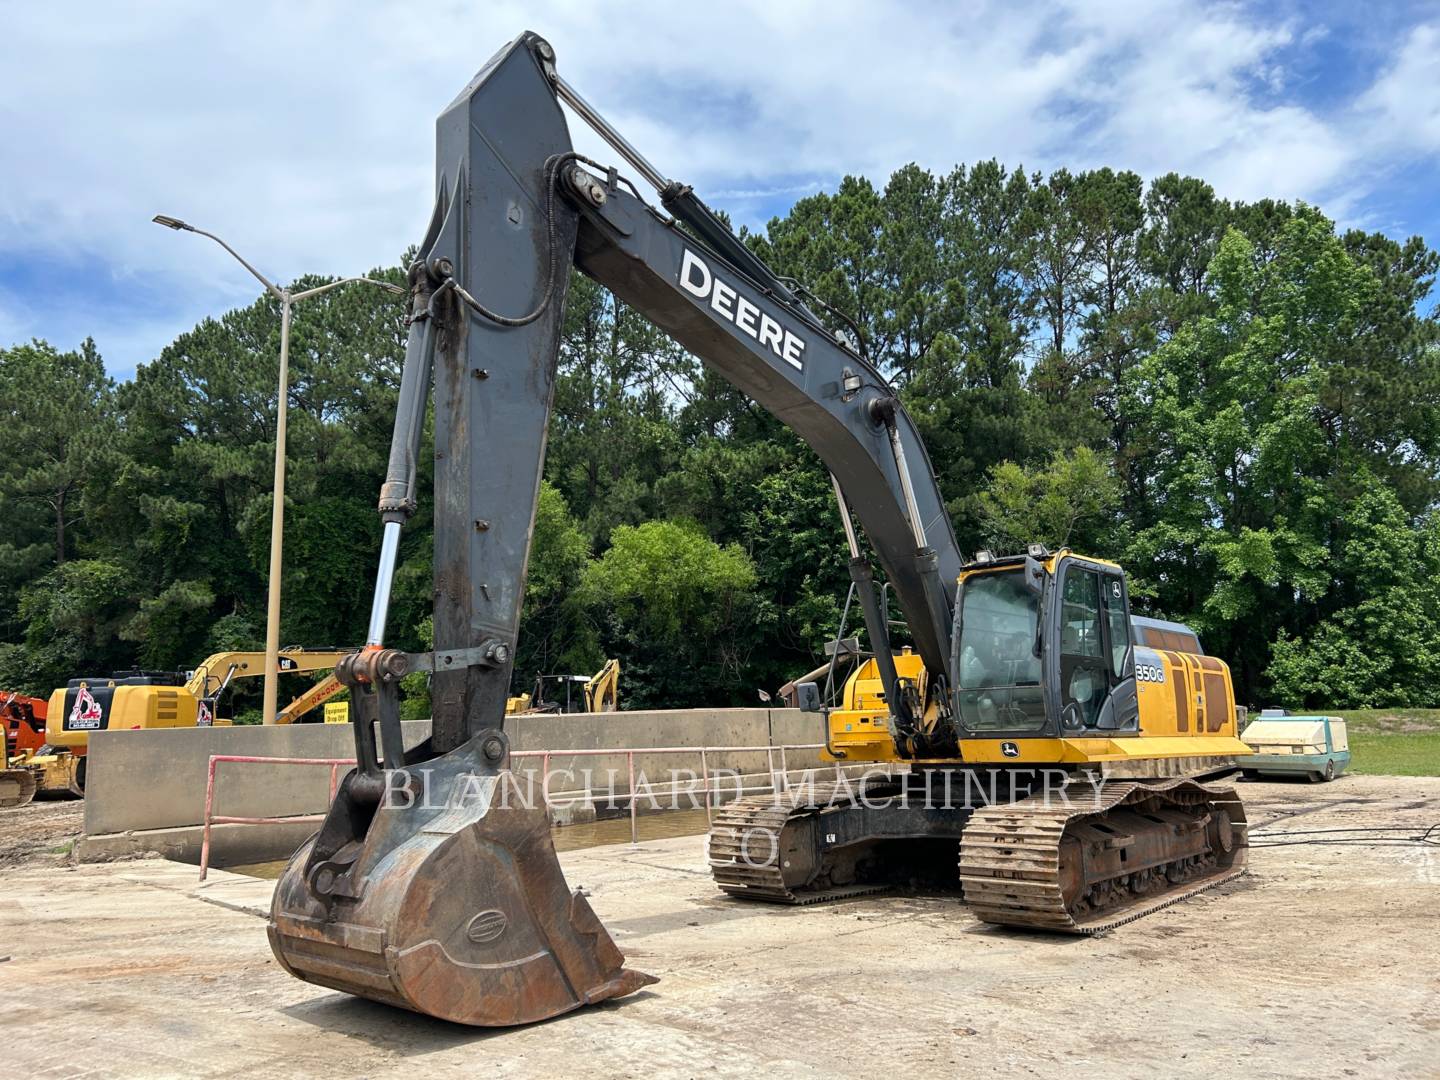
(1080, 618)
(1084, 667)
(1112, 598)
(999, 667)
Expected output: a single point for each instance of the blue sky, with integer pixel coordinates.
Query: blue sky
(303, 133)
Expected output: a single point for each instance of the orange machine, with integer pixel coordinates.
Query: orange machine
(22, 769)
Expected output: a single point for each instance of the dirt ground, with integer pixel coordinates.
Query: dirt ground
(40, 832)
(1320, 962)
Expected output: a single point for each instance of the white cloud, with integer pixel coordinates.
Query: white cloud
(304, 133)
(1404, 103)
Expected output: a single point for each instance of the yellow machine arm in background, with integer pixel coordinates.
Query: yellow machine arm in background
(215, 672)
(318, 694)
(602, 690)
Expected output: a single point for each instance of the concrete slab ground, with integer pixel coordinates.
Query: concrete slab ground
(1321, 962)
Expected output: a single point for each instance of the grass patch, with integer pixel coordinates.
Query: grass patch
(1388, 721)
(1394, 755)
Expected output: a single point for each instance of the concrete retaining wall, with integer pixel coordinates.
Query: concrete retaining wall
(607, 773)
(156, 779)
(147, 781)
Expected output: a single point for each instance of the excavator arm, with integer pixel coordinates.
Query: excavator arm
(516, 206)
(741, 321)
(312, 698)
(426, 886)
(214, 673)
(602, 690)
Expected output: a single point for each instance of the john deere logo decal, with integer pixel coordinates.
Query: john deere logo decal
(1009, 749)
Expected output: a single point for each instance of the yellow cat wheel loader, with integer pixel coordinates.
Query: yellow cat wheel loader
(432, 885)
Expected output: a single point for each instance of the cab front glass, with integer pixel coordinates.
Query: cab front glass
(999, 664)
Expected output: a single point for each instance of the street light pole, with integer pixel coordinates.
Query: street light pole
(277, 507)
(277, 527)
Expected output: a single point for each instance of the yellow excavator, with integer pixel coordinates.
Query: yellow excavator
(142, 700)
(1052, 780)
(1032, 743)
(598, 693)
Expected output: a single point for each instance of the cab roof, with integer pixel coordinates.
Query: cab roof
(1049, 561)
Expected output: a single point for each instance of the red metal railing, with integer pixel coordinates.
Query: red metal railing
(778, 780)
(211, 818)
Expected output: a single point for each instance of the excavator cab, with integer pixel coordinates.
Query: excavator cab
(1044, 647)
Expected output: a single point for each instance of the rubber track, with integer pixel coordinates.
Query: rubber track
(1010, 854)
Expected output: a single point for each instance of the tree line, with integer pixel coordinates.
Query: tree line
(1237, 401)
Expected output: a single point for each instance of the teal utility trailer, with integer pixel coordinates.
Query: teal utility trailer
(1313, 746)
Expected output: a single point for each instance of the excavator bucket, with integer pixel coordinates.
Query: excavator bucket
(444, 896)
(512, 946)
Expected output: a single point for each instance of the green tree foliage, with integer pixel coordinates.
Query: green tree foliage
(73, 618)
(556, 634)
(62, 426)
(1383, 649)
(61, 410)
(681, 610)
(1068, 502)
(1261, 439)
(166, 481)
(61, 418)
(1237, 402)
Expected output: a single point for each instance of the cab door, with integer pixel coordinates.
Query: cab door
(1120, 651)
(1095, 668)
